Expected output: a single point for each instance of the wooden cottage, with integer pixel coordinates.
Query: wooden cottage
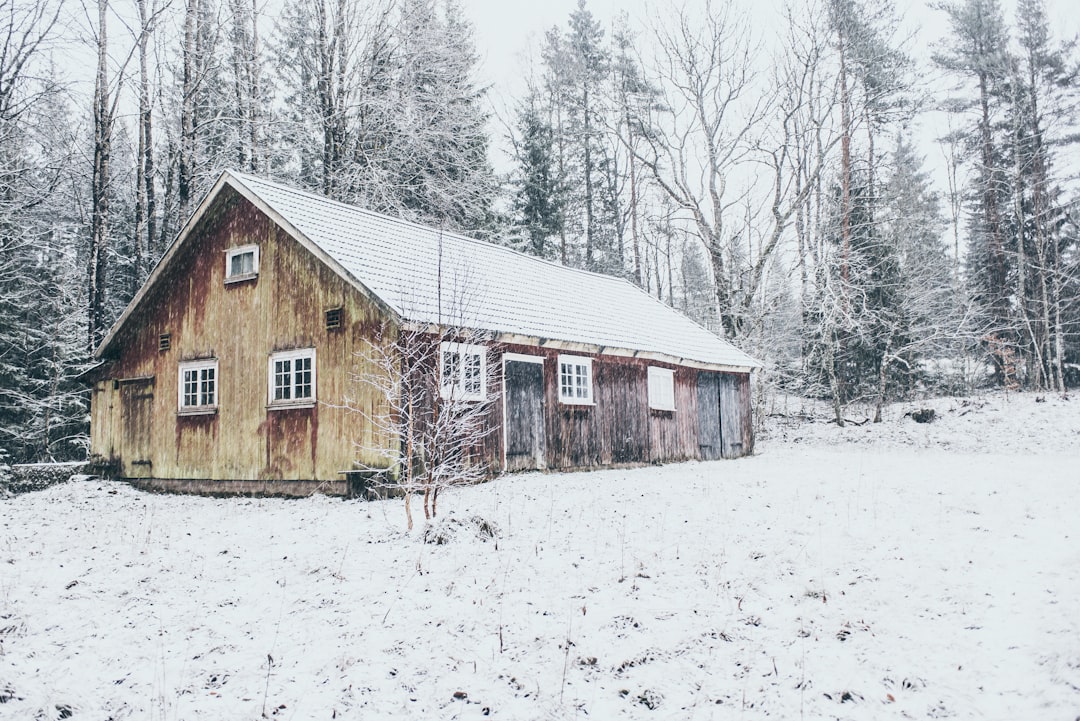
(230, 369)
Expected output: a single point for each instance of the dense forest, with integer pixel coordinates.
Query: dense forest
(777, 195)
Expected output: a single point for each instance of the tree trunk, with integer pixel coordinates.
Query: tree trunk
(145, 229)
(588, 171)
(991, 214)
(255, 115)
(99, 186)
(845, 166)
(634, 203)
(1031, 357)
(185, 185)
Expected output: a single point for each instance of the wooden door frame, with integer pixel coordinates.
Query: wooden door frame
(517, 358)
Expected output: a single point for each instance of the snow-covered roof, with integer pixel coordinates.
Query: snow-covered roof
(429, 276)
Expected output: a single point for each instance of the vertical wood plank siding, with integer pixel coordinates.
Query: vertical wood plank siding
(241, 324)
(621, 428)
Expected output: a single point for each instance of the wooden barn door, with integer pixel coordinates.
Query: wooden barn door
(136, 426)
(710, 440)
(731, 416)
(523, 412)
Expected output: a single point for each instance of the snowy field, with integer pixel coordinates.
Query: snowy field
(898, 570)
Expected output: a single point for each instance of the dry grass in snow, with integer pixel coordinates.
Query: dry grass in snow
(884, 571)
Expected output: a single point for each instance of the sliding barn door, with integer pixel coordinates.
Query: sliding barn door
(710, 441)
(731, 415)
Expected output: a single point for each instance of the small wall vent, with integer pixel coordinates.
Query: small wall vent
(164, 342)
(333, 318)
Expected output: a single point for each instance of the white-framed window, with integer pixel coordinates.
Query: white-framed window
(241, 263)
(291, 378)
(575, 380)
(197, 387)
(661, 389)
(462, 371)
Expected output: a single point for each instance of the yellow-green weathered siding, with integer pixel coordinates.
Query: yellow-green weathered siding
(134, 420)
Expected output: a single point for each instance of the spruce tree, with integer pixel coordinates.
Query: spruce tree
(977, 53)
(538, 195)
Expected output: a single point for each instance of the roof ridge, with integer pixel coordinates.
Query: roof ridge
(530, 296)
(427, 228)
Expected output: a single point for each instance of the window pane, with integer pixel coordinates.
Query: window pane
(242, 263)
(473, 381)
(451, 368)
(302, 368)
(206, 397)
(566, 380)
(282, 376)
(191, 388)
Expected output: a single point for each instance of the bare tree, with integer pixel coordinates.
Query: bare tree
(435, 387)
(437, 390)
(796, 151)
(706, 65)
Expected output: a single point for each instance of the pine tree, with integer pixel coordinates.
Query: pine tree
(538, 195)
(1041, 123)
(923, 319)
(575, 76)
(441, 148)
(978, 54)
(42, 332)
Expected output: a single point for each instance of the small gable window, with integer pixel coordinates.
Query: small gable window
(575, 380)
(292, 378)
(661, 389)
(241, 263)
(463, 369)
(198, 385)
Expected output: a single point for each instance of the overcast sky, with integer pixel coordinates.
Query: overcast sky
(506, 28)
(508, 32)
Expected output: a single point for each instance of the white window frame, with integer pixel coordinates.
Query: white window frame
(231, 253)
(271, 379)
(570, 394)
(661, 388)
(454, 388)
(198, 367)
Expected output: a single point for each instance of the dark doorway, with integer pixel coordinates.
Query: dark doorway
(524, 414)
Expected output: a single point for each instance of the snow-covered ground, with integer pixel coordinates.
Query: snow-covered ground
(897, 570)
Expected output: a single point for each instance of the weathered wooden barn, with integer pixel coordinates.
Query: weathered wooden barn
(229, 370)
